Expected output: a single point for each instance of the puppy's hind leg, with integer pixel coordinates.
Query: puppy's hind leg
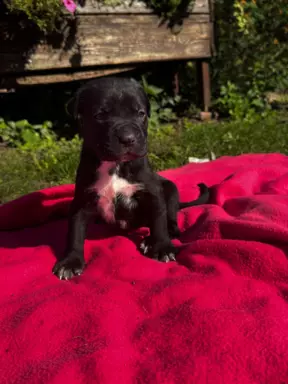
(171, 197)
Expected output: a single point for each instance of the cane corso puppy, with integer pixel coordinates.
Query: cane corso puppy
(114, 180)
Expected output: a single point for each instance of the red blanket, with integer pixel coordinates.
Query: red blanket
(218, 315)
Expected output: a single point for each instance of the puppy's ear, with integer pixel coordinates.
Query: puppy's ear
(144, 96)
(148, 105)
(74, 106)
(73, 110)
(70, 107)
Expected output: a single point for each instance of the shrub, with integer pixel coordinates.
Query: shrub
(252, 54)
(44, 13)
(22, 134)
(162, 105)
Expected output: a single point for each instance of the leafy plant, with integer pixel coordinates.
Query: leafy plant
(44, 13)
(242, 107)
(162, 105)
(252, 54)
(38, 141)
(22, 134)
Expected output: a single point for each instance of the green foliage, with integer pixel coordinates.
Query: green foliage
(44, 13)
(23, 135)
(162, 105)
(252, 54)
(40, 144)
(242, 107)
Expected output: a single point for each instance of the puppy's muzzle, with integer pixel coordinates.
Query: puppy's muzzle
(131, 138)
(127, 139)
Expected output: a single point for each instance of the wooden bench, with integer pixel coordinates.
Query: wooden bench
(101, 41)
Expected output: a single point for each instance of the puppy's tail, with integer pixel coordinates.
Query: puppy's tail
(203, 198)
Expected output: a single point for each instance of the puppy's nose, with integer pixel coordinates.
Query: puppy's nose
(127, 139)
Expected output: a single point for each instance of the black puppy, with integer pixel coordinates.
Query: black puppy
(114, 180)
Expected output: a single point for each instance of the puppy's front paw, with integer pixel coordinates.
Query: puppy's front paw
(69, 267)
(163, 252)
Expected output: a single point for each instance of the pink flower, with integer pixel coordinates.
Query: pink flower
(70, 5)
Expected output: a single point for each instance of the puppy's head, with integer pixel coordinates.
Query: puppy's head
(113, 118)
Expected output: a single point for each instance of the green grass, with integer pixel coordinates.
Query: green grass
(19, 175)
(223, 138)
(24, 172)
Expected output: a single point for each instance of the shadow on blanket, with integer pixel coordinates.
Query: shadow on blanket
(218, 315)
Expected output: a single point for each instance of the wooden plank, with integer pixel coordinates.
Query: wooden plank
(138, 7)
(212, 26)
(48, 78)
(114, 40)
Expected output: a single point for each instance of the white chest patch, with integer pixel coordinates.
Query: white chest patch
(109, 187)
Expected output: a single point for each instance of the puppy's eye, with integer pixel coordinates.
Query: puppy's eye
(141, 114)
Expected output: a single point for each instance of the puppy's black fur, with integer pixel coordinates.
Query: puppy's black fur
(114, 180)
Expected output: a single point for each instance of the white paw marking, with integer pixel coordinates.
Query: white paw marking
(144, 248)
(123, 224)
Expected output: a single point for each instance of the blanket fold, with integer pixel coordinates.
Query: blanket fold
(217, 315)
